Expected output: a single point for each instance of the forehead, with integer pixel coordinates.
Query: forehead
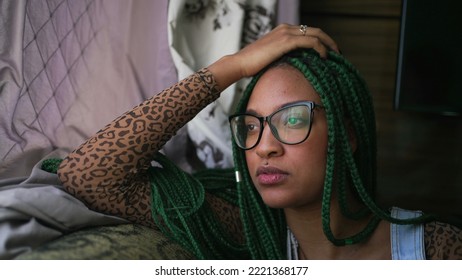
(279, 86)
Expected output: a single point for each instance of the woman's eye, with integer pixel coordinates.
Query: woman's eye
(251, 127)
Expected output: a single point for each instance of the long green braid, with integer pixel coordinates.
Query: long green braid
(179, 210)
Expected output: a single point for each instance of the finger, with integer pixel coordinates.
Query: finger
(323, 37)
(303, 30)
(308, 41)
(314, 43)
(293, 37)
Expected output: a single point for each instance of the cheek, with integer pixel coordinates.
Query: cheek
(311, 160)
(309, 170)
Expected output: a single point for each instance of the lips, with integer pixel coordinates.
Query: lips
(270, 175)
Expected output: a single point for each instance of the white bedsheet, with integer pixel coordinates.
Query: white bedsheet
(68, 67)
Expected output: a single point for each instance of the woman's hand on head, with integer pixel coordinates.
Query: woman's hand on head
(280, 41)
(256, 56)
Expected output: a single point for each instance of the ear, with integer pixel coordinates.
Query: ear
(351, 135)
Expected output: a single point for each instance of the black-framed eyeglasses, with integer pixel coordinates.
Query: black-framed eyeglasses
(290, 125)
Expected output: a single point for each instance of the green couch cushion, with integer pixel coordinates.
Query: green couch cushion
(120, 242)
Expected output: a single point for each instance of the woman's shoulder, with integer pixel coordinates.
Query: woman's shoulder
(443, 241)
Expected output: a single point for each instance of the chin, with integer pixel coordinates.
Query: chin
(277, 201)
(277, 205)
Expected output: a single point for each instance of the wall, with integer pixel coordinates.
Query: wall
(419, 155)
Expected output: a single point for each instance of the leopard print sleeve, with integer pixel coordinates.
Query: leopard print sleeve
(443, 241)
(108, 171)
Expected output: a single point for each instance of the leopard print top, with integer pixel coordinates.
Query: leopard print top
(109, 171)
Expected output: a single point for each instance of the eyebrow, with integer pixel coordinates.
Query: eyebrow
(282, 105)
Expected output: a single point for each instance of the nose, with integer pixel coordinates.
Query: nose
(268, 146)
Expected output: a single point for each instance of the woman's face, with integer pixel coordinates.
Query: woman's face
(287, 176)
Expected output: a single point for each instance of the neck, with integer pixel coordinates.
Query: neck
(306, 225)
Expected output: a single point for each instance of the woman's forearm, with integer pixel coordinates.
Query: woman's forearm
(107, 172)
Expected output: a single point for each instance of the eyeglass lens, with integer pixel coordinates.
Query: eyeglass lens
(290, 125)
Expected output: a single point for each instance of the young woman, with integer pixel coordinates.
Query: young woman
(304, 148)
